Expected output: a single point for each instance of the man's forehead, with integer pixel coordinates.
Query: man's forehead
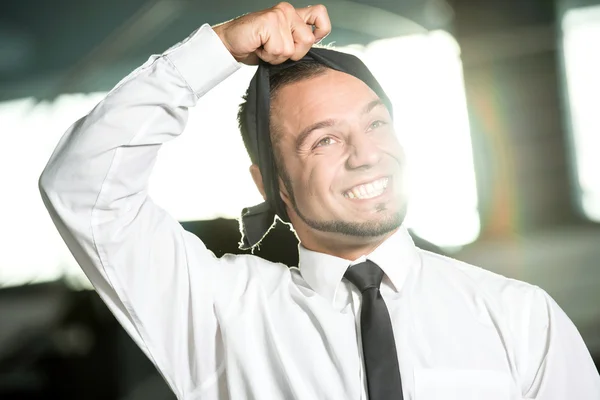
(331, 95)
(321, 95)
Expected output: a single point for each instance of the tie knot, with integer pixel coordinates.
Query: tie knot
(365, 275)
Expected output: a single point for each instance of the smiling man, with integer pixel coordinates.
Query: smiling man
(366, 314)
(340, 162)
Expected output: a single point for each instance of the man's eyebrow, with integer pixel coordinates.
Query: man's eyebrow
(309, 129)
(369, 107)
(330, 122)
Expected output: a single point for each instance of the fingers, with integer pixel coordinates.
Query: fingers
(277, 47)
(303, 37)
(318, 17)
(289, 32)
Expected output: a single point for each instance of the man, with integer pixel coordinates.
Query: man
(366, 314)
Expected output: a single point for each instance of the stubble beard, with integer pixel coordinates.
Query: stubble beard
(366, 229)
(358, 229)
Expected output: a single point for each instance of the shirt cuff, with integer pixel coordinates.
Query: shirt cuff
(202, 60)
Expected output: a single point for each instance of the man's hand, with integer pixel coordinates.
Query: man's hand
(275, 34)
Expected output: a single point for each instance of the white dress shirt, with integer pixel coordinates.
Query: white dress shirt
(240, 327)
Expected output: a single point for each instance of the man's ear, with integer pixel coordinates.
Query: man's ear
(258, 181)
(283, 193)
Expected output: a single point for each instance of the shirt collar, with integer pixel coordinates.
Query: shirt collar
(324, 272)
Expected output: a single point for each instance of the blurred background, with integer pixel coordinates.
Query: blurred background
(496, 101)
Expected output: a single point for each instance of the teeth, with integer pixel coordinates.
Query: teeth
(368, 190)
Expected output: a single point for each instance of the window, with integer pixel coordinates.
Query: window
(32, 250)
(422, 74)
(581, 35)
(204, 173)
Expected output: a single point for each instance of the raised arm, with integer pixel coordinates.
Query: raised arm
(158, 280)
(95, 187)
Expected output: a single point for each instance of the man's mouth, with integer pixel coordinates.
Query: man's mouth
(367, 190)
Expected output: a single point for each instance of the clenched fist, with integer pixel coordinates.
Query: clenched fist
(275, 34)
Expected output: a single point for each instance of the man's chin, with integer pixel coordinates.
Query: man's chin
(367, 229)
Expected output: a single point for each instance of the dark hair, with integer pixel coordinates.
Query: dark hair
(295, 73)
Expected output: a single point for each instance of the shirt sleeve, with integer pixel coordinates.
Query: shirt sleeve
(141, 262)
(560, 363)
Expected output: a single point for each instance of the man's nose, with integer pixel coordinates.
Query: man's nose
(363, 151)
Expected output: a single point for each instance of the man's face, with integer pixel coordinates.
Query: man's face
(343, 165)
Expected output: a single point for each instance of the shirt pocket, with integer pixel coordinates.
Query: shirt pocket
(438, 384)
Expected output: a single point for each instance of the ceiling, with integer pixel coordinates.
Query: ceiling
(53, 47)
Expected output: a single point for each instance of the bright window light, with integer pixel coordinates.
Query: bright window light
(204, 173)
(422, 74)
(30, 248)
(581, 38)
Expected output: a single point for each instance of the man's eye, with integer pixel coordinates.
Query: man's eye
(376, 124)
(325, 142)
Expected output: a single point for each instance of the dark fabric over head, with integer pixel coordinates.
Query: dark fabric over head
(256, 221)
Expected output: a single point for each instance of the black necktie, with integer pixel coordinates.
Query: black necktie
(379, 347)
